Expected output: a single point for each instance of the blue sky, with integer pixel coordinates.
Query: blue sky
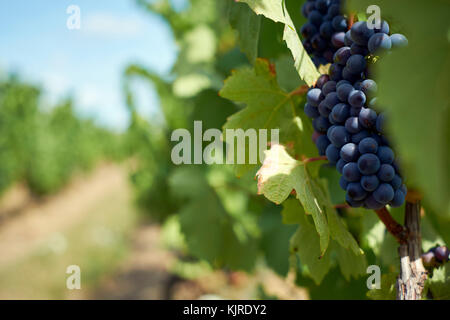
(85, 63)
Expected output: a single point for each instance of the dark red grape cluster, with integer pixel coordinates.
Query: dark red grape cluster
(436, 256)
(348, 129)
(325, 30)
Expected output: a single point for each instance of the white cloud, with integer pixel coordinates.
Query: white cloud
(113, 26)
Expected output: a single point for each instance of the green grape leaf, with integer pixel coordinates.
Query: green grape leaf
(248, 25)
(267, 107)
(211, 233)
(280, 174)
(276, 11)
(275, 240)
(338, 230)
(340, 233)
(351, 264)
(287, 76)
(306, 244)
(439, 283)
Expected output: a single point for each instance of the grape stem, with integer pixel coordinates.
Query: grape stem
(299, 91)
(397, 230)
(307, 160)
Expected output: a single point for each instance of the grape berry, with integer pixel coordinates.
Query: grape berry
(436, 256)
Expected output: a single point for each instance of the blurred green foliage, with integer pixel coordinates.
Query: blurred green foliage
(43, 147)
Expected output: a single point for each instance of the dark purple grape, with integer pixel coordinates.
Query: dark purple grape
(384, 28)
(340, 165)
(347, 39)
(441, 254)
(356, 63)
(332, 99)
(429, 259)
(369, 87)
(314, 97)
(311, 111)
(343, 91)
(356, 192)
(398, 40)
(353, 203)
(398, 200)
(321, 124)
(326, 30)
(349, 76)
(370, 183)
(343, 183)
(357, 99)
(322, 143)
(352, 124)
(328, 55)
(339, 23)
(368, 164)
(308, 30)
(385, 154)
(379, 42)
(386, 173)
(339, 136)
(396, 183)
(307, 8)
(384, 193)
(315, 18)
(324, 109)
(318, 43)
(360, 33)
(357, 49)
(329, 87)
(371, 203)
(337, 39)
(354, 112)
(357, 137)
(368, 145)
(340, 113)
(380, 123)
(351, 172)
(349, 152)
(333, 10)
(332, 154)
(341, 56)
(322, 6)
(367, 117)
(323, 79)
(335, 72)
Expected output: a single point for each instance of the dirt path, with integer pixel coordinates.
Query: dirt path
(19, 235)
(144, 275)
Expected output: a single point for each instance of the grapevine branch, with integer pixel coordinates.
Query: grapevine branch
(397, 230)
(411, 281)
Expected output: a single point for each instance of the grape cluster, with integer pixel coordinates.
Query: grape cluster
(348, 130)
(325, 30)
(436, 256)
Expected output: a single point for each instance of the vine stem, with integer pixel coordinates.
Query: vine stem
(300, 90)
(411, 280)
(397, 230)
(307, 160)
